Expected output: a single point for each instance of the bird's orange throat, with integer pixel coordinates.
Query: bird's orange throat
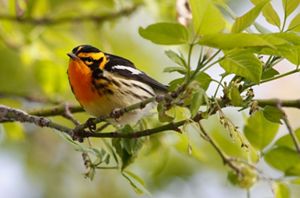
(80, 77)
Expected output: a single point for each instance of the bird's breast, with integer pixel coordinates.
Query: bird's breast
(80, 78)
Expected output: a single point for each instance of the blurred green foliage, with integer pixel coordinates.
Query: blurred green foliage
(35, 37)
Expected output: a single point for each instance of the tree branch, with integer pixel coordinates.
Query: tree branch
(68, 19)
(35, 117)
(60, 109)
(56, 111)
(284, 103)
(11, 114)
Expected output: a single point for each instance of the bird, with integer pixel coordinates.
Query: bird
(103, 82)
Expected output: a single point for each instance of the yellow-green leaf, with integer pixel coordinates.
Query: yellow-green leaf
(273, 114)
(242, 63)
(269, 73)
(287, 141)
(289, 6)
(281, 190)
(165, 33)
(235, 96)
(204, 79)
(175, 58)
(197, 100)
(269, 13)
(295, 24)
(248, 19)
(241, 40)
(282, 158)
(259, 131)
(207, 19)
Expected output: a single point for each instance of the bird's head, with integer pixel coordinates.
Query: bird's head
(88, 56)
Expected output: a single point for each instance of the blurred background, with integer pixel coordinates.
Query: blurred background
(36, 162)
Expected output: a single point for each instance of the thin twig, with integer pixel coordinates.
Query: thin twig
(71, 19)
(226, 160)
(289, 127)
(68, 115)
(292, 134)
(101, 128)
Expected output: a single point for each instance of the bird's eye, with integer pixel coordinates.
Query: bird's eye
(88, 60)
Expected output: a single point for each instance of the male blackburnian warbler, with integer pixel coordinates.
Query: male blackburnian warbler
(104, 82)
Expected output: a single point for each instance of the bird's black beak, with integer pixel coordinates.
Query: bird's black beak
(72, 56)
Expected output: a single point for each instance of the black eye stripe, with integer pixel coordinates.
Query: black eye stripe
(89, 59)
(92, 60)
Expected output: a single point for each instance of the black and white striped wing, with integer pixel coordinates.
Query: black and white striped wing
(127, 69)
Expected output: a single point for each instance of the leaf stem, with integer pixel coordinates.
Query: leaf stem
(284, 17)
(219, 84)
(274, 78)
(188, 74)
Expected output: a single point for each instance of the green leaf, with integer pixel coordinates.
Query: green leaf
(175, 58)
(248, 19)
(259, 131)
(291, 37)
(290, 50)
(246, 180)
(163, 116)
(269, 13)
(207, 19)
(293, 171)
(295, 24)
(269, 73)
(235, 96)
(197, 101)
(127, 148)
(289, 6)
(287, 141)
(136, 182)
(291, 53)
(165, 33)
(242, 63)
(180, 70)
(174, 84)
(204, 80)
(282, 158)
(273, 114)
(280, 190)
(240, 40)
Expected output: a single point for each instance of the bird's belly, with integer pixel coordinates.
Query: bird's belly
(105, 104)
